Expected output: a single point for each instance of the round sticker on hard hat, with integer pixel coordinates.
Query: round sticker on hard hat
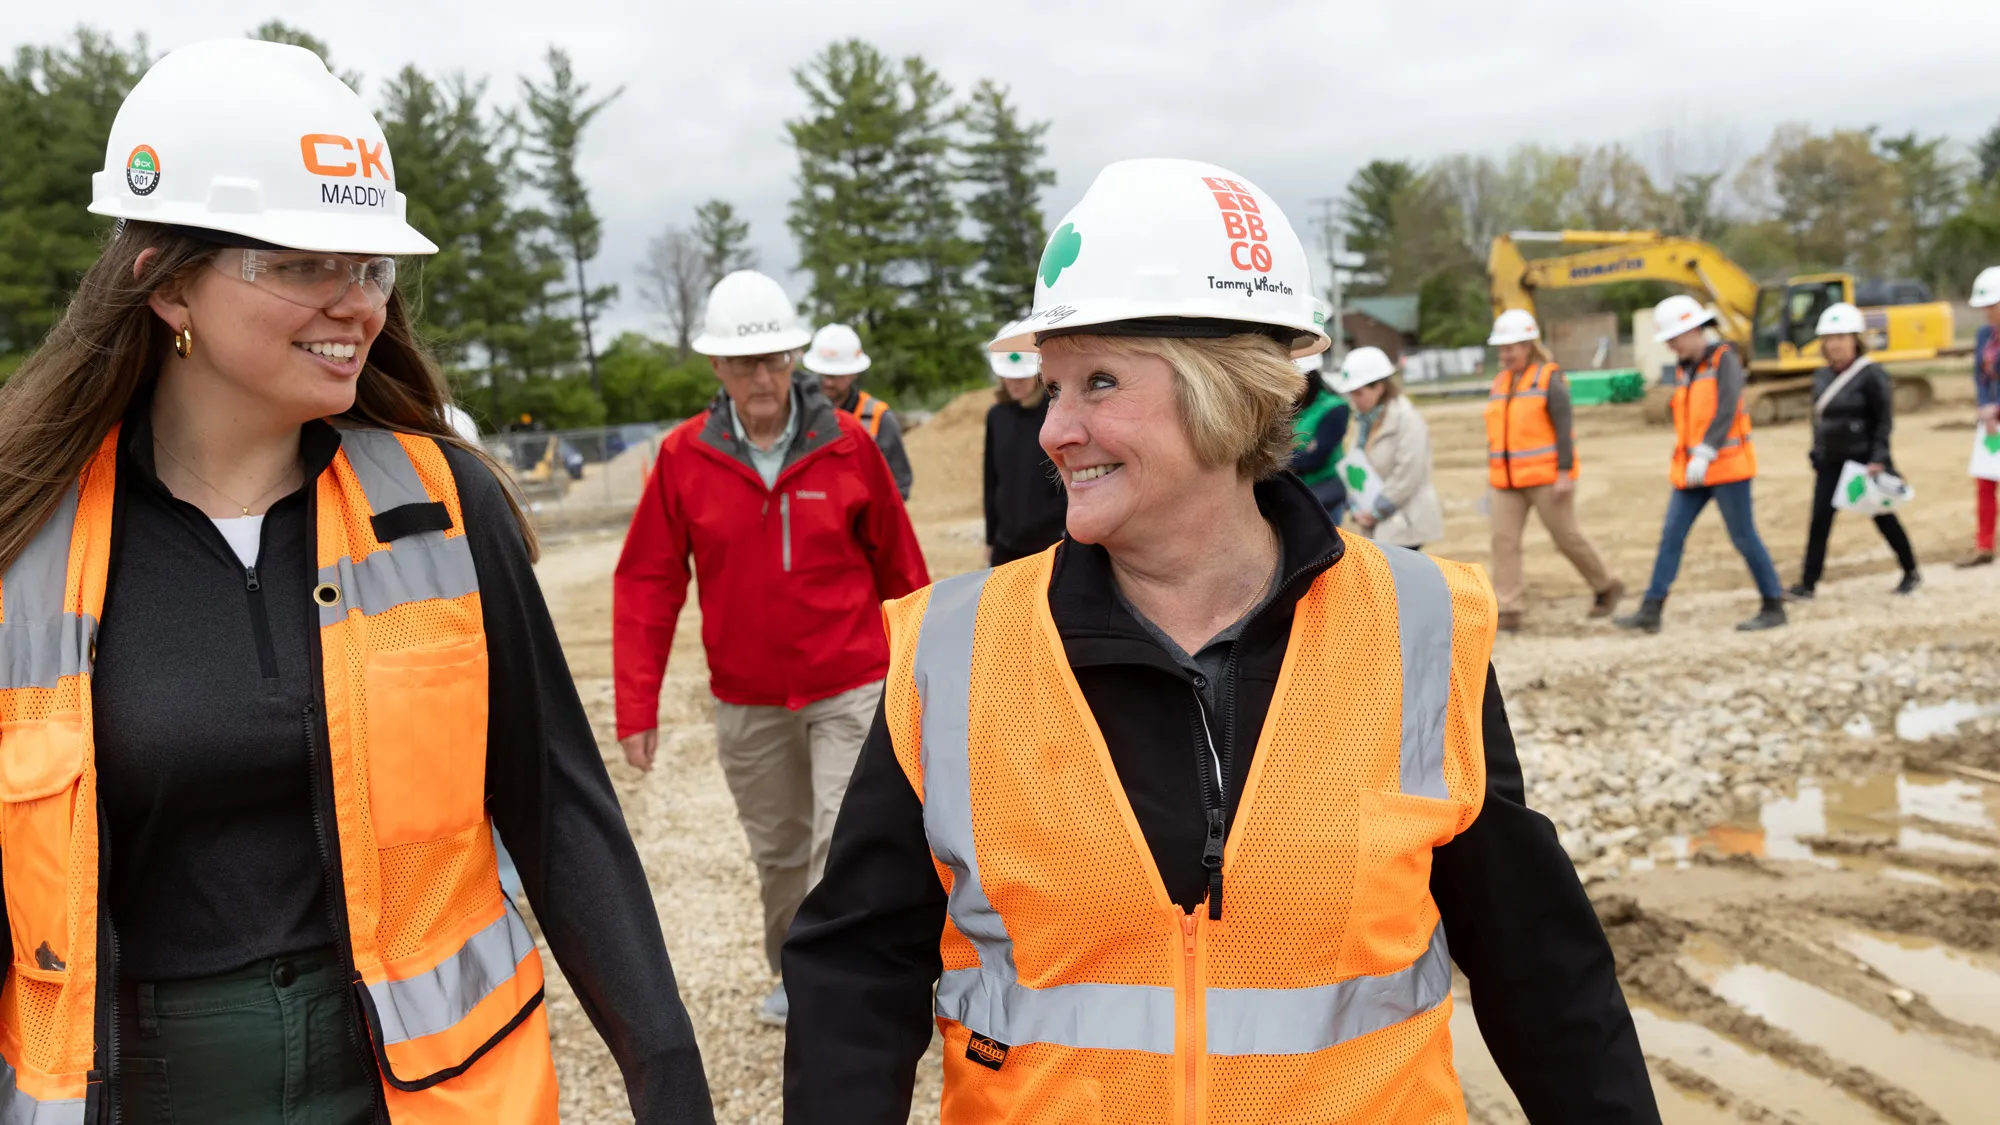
(142, 170)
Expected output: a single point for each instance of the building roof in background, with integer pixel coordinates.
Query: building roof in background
(1398, 312)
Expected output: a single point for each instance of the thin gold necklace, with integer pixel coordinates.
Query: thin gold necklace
(210, 485)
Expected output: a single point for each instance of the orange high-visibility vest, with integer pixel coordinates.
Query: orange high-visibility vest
(1073, 988)
(1520, 436)
(1694, 408)
(448, 977)
(868, 410)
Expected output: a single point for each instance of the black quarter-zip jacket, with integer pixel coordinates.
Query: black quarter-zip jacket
(216, 811)
(863, 957)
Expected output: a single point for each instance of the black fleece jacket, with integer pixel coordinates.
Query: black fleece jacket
(863, 953)
(1025, 503)
(1855, 425)
(212, 860)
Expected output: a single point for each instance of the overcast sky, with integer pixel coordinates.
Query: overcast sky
(1292, 96)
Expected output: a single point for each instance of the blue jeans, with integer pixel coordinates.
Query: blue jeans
(1683, 507)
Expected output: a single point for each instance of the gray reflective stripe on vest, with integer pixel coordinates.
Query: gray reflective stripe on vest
(1298, 1021)
(1537, 451)
(39, 641)
(1423, 621)
(416, 567)
(1105, 1017)
(17, 1108)
(436, 1001)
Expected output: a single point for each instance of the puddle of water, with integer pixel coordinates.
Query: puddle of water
(1914, 723)
(1947, 800)
(1955, 1084)
(1870, 807)
(1956, 983)
(1755, 1076)
(1678, 1107)
(1918, 840)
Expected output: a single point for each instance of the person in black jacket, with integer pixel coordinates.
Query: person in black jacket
(1852, 412)
(1024, 498)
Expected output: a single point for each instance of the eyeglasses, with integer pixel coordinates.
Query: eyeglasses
(775, 362)
(312, 279)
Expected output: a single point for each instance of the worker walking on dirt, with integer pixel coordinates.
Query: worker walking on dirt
(796, 535)
(1712, 459)
(274, 666)
(1188, 817)
(836, 357)
(1986, 388)
(1024, 499)
(1531, 464)
(1319, 436)
(1853, 404)
(1397, 443)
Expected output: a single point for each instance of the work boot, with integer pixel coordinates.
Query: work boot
(1647, 620)
(1770, 617)
(1976, 558)
(776, 1008)
(1510, 621)
(1911, 580)
(1799, 593)
(1606, 602)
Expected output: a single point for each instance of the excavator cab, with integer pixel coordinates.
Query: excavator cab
(1787, 319)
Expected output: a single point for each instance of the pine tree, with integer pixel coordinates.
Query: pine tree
(560, 112)
(1004, 163)
(724, 240)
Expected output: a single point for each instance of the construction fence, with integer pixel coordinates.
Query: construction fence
(579, 477)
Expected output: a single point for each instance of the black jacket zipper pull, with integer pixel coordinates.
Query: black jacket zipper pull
(1211, 858)
(250, 582)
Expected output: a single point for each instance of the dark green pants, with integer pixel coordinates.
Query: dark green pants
(268, 1044)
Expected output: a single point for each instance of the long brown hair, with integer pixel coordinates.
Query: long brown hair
(106, 351)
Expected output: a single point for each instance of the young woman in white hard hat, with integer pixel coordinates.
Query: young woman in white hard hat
(274, 664)
(1986, 388)
(1713, 459)
(1187, 817)
(1531, 465)
(1397, 443)
(1853, 404)
(835, 355)
(1319, 435)
(1024, 500)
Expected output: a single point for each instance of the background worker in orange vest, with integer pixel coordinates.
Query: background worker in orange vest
(835, 356)
(1136, 873)
(1531, 464)
(1713, 459)
(274, 663)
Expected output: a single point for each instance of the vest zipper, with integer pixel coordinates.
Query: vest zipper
(1189, 1043)
(785, 526)
(260, 624)
(1214, 806)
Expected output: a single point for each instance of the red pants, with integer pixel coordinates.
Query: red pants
(1987, 509)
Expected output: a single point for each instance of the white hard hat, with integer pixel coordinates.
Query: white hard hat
(836, 350)
(1307, 364)
(256, 140)
(462, 422)
(1986, 289)
(1015, 365)
(1677, 316)
(1841, 318)
(1362, 367)
(1515, 326)
(1159, 247)
(749, 314)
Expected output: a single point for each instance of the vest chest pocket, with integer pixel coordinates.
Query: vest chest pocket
(1392, 916)
(40, 761)
(426, 721)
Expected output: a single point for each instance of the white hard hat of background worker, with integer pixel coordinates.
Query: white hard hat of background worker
(1841, 319)
(1679, 315)
(836, 350)
(257, 142)
(1514, 326)
(749, 314)
(1314, 367)
(1015, 365)
(1173, 248)
(1363, 367)
(1985, 289)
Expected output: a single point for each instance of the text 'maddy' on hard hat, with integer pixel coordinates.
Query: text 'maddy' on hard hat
(257, 141)
(1173, 248)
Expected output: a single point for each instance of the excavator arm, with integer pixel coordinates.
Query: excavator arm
(1623, 256)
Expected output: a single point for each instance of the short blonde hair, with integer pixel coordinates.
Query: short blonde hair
(1236, 395)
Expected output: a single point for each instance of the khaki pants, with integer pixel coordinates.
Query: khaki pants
(1510, 517)
(788, 771)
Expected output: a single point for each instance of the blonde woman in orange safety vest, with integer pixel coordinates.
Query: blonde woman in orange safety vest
(274, 668)
(1713, 459)
(1531, 464)
(1188, 817)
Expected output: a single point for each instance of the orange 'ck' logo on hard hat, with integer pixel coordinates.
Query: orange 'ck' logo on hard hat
(315, 148)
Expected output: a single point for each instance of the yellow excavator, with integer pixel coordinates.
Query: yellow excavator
(1772, 325)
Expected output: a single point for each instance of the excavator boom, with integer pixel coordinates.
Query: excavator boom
(1624, 256)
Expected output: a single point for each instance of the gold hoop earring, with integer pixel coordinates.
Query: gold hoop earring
(184, 342)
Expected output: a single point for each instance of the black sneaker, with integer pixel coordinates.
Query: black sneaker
(1911, 580)
(1771, 616)
(1799, 593)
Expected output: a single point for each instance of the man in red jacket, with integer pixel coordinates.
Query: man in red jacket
(797, 535)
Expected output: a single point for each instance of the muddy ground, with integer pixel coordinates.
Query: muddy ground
(1793, 838)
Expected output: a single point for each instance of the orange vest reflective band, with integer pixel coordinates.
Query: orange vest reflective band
(1694, 408)
(1520, 436)
(1073, 988)
(450, 980)
(868, 410)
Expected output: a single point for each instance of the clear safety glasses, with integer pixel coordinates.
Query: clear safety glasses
(311, 278)
(777, 363)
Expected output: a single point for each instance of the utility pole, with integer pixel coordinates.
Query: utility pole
(1340, 267)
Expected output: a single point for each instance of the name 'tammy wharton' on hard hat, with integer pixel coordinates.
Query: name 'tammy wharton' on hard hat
(259, 141)
(1160, 246)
